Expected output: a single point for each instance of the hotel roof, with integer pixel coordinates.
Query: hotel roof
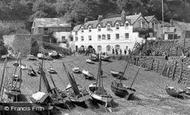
(131, 18)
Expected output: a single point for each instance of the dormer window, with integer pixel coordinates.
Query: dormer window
(126, 24)
(117, 25)
(90, 29)
(82, 29)
(108, 27)
(99, 27)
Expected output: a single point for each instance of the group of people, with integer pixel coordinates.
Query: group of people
(119, 52)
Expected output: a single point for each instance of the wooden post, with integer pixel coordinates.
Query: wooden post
(163, 69)
(168, 71)
(181, 73)
(157, 68)
(174, 70)
(152, 65)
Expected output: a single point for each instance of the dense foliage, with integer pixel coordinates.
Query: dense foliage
(77, 10)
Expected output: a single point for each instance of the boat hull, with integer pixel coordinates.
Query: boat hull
(102, 99)
(119, 91)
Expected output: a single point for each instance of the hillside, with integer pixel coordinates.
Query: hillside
(77, 10)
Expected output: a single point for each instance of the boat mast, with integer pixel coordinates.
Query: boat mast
(20, 74)
(2, 79)
(135, 77)
(124, 71)
(72, 81)
(163, 18)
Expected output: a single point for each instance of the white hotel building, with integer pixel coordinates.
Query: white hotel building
(104, 35)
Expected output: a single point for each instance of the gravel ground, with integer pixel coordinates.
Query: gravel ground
(152, 98)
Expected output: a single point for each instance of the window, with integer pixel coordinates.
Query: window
(82, 29)
(99, 37)
(108, 27)
(103, 37)
(76, 38)
(89, 38)
(99, 27)
(90, 29)
(126, 24)
(117, 47)
(108, 48)
(126, 35)
(142, 24)
(71, 38)
(99, 48)
(117, 36)
(63, 38)
(117, 26)
(82, 38)
(108, 36)
(45, 29)
(76, 33)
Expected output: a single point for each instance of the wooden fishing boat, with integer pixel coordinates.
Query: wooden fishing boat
(51, 70)
(88, 75)
(174, 93)
(12, 90)
(182, 94)
(54, 55)
(119, 89)
(116, 74)
(76, 70)
(32, 72)
(77, 95)
(97, 91)
(93, 57)
(52, 96)
(89, 61)
(23, 67)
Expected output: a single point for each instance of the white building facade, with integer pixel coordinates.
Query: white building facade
(106, 35)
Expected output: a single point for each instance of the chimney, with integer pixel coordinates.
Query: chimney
(171, 22)
(123, 16)
(100, 17)
(85, 20)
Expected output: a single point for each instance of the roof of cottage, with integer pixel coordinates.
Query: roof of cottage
(51, 22)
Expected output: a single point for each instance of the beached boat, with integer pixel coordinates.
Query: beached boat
(173, 92)
(88, 75)
(97, 91)
(119, 89)
(116, 74)
(52, 96)
(76, 70)
(77, 95)
(93, 57)
(182, 94)
(89, 61)
(51, 70)
(32, 72)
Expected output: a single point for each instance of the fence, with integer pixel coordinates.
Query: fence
(174, 68)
